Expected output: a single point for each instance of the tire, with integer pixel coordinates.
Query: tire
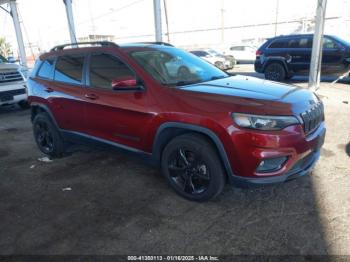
(192, 167)
(275, 72)
(24, 104)
(47, 136)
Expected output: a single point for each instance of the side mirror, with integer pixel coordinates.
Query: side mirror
(124, 83)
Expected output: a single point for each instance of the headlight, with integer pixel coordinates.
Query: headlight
(264, 122)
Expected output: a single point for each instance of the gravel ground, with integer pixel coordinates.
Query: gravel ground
(103, 202)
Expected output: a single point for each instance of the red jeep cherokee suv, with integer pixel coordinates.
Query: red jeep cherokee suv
(201, 125)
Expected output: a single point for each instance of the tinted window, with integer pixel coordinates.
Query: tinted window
(69, 69)
(105, 68)
(329, 43)
(305, 42)
(46, 69)
(293, 43)
(281, 43)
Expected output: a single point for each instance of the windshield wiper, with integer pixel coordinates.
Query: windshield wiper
(217, 77)
(183, 83)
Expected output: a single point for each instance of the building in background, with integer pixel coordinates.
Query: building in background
(94, 38)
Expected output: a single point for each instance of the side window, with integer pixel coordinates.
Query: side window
(281, 43)
(293, 43)
(69, 69)
(305, 42)
(329, 43)
(104, 69)
(46, 69)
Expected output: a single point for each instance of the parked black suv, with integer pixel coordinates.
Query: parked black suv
(282, 57)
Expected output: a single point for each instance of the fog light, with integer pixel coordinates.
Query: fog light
(271, 164)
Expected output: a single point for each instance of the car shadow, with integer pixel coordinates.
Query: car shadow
(347, 149)
(10, 109)
(104, 202)
(327, 79)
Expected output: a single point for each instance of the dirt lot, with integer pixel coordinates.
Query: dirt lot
(118, 205)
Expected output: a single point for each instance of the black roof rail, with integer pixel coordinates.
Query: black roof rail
(76, 45)
(156, 43)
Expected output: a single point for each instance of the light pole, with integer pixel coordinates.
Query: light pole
(276, 16)
(19, 36)
(316, 56)
(70, 19)
(157, 20)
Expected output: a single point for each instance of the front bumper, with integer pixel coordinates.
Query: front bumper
(301, 168)
(301, 151)
(13, 93)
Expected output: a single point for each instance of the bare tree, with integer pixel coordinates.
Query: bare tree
(5, 47)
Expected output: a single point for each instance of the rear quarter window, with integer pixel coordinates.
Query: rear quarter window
(46, 69)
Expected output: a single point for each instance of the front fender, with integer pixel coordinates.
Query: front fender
(167, 130)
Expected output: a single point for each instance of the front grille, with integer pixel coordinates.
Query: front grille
(313, 117)
(10, 76)
(12, 93)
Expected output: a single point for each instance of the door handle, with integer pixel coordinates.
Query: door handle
(91, 96)
(49, 89)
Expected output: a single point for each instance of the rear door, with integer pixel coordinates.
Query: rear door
(299, 49)
(115, 115)
(67, 92)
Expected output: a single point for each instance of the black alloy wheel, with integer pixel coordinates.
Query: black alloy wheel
(47, 136)
(43, 137)
(191, 164)
(275, 72)
(188, 171)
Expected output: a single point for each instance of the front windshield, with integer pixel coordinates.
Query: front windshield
(172, 66)
(343, 41)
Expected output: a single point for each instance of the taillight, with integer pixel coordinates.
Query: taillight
(258, 53)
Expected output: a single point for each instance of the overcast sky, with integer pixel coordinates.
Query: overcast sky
(45, 20)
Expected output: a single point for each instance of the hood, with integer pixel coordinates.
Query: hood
(7, 66)
(261, 92)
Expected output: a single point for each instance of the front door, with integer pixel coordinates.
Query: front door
(299, 54)
(332, 58)
(113, 114)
